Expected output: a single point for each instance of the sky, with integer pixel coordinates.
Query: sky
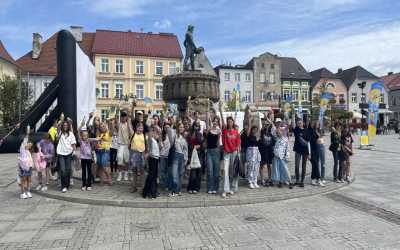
(319, 33)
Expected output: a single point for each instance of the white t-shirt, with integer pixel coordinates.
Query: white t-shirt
(65, 143)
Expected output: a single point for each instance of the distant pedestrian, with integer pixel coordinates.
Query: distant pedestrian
(266, 147)
(25, 166)
(280, 172)
(317, 154)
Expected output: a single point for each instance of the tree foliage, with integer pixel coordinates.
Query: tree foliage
(15, 100)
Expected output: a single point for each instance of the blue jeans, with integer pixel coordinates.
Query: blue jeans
(177, 169)
(321, 154)
(102, 158)
(165, 179)
(213, 159)
(280, 171)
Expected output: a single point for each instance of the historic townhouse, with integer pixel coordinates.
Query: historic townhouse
(296, 83)
(351, 77)
(132, 64)
(266, 81)
(325, 80)
(234, 78)
(392, 83)
(8, 67)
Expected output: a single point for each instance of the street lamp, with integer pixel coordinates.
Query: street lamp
(362, 85)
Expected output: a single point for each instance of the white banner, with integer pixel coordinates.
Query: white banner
(85, 85)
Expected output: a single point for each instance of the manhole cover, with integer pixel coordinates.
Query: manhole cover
(252, 218)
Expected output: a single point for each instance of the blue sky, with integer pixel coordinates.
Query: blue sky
(330, 33)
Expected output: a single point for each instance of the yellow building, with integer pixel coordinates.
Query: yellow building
(133, 64)
(8, 67)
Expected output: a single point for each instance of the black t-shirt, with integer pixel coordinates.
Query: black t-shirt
(212, 140)
(252, 141)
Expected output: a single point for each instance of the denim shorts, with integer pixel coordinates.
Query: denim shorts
(102, 158)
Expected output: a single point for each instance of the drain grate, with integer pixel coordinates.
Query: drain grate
(58, 222)
(366, 208)
(146, 226)
(252, 218)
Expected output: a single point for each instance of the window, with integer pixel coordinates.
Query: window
(172, 68)
(119, 90)
(104, 90)
(262, 77)
(272, 66)
(104, 114)
(353, 97)
(119, 66)
(304, 95)
(159, 68)
(363, 95)
(139, 91)
(271, 77)
(286, 94)
(227, 76)
(247, 96)
(139, 67)
(237, 77)
(315, 98)
(104, 65)
(248, 78)
(295, 95)
(263, 96)
(262, 65)
(341, 98)
(304, 84)
(394, 101)
(159, 92)
(227, 95)
(382, 99)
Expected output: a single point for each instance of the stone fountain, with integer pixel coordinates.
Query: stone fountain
(197, 86)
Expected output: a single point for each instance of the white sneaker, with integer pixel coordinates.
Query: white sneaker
(314, 182)
(89, 188)
(119, 178)
(54, 177)
(209, 192)
(44, 188)
(29, 194)
(251, 186)
(213, 192)
(83, 188)
(321, 184)
(39, 187)
(126, 177)
(23, 196)
(194, 191)
(223, 195)
(256, 185)
(71, 182)
(231, 192)
(64, 190)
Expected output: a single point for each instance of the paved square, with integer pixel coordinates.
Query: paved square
(57, 234)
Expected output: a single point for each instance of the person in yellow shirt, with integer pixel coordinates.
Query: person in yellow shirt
(137, 156)
(103, 154)
(53, 131)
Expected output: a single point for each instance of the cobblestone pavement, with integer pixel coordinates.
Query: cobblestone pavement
(364, 215)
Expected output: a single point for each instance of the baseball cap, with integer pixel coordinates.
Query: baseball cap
(278, 120)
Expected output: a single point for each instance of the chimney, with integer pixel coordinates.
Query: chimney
(36, 45)
(77, 32)
(340, 70)
(390, 73)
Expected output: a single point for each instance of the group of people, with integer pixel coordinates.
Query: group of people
(168, 149)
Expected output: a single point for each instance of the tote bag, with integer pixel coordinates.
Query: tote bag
(195, 160)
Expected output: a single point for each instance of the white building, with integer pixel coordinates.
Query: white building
(233, 78)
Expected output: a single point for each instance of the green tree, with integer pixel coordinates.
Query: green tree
(15, 100)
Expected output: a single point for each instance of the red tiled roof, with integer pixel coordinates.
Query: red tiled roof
(5, 55)
(392, 81)
(136, 44)
(46, 64)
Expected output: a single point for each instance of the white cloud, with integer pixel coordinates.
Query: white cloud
(163, 24)
(116, 8)
(375, 49)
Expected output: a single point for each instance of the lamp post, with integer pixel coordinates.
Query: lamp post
(362, 85)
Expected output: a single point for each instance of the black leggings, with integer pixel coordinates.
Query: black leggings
(113, 159)
(87, 177)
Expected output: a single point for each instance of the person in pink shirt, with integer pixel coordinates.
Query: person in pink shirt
(39, 162)
(25, 165)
